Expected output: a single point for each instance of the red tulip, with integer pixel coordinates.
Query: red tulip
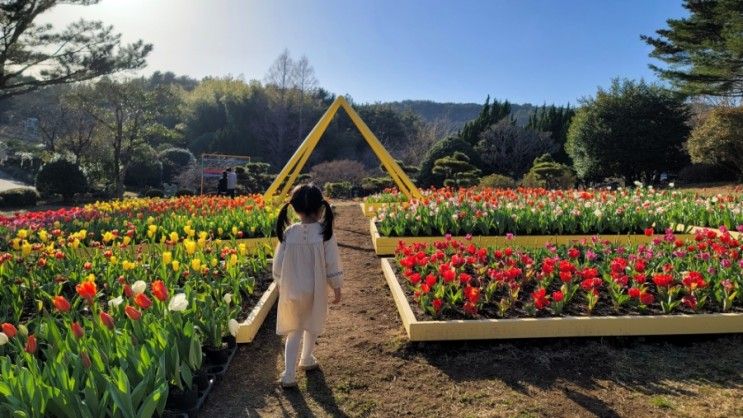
(649, 232)
(663, 280)
(573, 253)
(61, 303)
(634, 292)
(31, 344)
(87, 290)
(646, 298)
(87, 265)
(107, 320)
(77, 330)
(9, 330)
(558, 296)
(159, 290)
(437, 303)
(142, 301)
(128, 290)
(132, 313)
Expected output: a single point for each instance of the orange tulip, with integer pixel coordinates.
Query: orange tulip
(132, 313)
(87, 290)
(61, 303)
(159, 290)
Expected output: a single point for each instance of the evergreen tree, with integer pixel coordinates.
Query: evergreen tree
(555, 120)
(704, 51)
(490, 114)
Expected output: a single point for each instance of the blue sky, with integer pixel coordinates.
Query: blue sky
(536, 51)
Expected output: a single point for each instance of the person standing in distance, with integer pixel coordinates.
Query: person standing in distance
(231, 182)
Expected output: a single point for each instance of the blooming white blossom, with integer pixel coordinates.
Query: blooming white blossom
(139, 287)
(597, 213)
(638, 184)
(672, 185)
(234, 326)
(115, 301)
(227, 298)
(3, 338)
(178, 303)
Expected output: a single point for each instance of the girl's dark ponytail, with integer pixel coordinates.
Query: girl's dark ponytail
(282, 221)
(327, 222)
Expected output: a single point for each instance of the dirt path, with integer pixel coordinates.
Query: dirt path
(370, 370)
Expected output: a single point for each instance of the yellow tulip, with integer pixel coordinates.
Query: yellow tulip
(196, 264)
(152, 229)
(167, 257)
(128, 265)
(151, 221)
(233, 260)
(16, 243)
(43, 236)
(176, 265)
(174, 236)
(243, 249)
(127, 240)
(22, 234)
(113, 259)
(25, 248)
(190, 246)
(108, 236)
(203, 235)
(214, 261)
(234, 230)
(75, 243)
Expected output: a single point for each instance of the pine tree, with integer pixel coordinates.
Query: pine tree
(704, 51)
(489, 115)
(556, 121)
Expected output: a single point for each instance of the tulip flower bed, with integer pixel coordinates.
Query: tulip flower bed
(144, 220)
(548, 214)
(667, 286)
(124, 331)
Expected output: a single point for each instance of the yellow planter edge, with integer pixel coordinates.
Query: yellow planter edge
(249, 328)
(370, 209)
(570, 326)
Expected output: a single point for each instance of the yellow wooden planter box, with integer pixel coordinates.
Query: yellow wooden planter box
(568, 326)
(387, 245)
(249, 328)
(370, 209)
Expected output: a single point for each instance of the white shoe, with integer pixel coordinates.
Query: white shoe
(312, 364)
(286, 384)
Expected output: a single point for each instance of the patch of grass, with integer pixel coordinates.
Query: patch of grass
(662, 402)
(349, 385)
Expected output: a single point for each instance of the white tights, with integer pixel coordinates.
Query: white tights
(291, 350)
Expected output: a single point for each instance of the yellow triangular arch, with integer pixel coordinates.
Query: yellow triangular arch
(292, 168)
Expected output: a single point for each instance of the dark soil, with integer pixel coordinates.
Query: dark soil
(369, 368)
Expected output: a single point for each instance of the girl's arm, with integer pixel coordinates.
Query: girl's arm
(278, 260)
(333, 269)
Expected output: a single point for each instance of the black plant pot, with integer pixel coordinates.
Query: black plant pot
(201, 380)
(230, 340)
(182, 400)
(217, 356)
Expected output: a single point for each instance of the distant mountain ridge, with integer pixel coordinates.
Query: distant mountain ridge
(455, 115)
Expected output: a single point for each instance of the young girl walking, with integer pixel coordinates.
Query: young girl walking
(306, 265)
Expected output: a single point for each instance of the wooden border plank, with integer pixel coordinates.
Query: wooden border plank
(567, 326)
(249, 328)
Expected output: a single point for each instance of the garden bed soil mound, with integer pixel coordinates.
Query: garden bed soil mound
(262, 281)
(369, 368)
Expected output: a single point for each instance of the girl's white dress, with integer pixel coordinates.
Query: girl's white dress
(305, 267)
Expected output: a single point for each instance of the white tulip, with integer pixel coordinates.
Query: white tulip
(178, 303)
(139, 287)
(227, 298)
(672, 185)
(3, 338)
(115, 302)
(234, 326)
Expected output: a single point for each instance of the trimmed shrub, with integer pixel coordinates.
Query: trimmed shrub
(61, 177)
(154, 193)
(457, 170)
(184, 192)
(371, 185)
(144, 169)
(546, 172)
(338, 190)
(498, 181)
(174, 161)
(18, 197)
(444, 148)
